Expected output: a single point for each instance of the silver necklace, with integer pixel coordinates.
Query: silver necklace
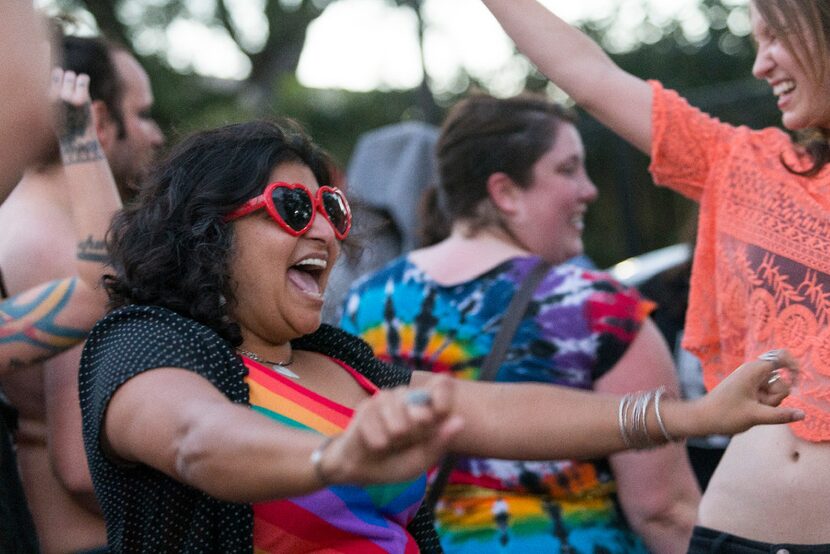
(279, 367)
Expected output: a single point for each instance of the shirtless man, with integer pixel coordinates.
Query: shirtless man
(38, 245)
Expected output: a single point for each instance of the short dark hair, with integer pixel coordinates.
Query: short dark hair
(172, 248)
(483, 135)
(93, 56)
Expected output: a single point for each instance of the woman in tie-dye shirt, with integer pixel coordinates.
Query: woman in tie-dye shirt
(513, 183)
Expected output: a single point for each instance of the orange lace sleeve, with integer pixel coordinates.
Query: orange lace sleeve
(686, 143)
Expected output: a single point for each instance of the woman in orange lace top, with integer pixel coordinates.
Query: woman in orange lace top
(761, 275)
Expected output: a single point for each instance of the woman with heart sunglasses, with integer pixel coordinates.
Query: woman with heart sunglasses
(219, 415)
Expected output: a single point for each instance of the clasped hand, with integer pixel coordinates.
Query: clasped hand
(395, 435)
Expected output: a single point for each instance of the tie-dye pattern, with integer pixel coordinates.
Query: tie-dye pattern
(347, 519)
(578, 325)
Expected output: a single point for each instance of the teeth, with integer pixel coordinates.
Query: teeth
(783, 88)
(312, 262)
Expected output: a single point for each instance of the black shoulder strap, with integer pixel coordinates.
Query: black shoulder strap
(3, 293)
(512, 317)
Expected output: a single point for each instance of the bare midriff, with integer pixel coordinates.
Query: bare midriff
(771, 486)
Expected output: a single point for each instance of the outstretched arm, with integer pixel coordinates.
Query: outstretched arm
(41, 322)
(545, 422)
(198, 438)
(577, 64)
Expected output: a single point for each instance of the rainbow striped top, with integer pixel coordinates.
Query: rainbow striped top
(340, 518)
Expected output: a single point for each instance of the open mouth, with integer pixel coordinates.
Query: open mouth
(578, 221)
(783, 91)
(307, 275)
(784, 87)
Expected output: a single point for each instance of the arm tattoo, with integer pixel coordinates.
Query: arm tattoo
(76, 120)
(33, 323)
(92, 250)
(81, 152)
(74, 148)
(17, 363)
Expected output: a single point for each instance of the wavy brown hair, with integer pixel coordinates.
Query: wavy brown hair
(483, 135)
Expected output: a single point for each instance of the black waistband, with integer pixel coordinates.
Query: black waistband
(713, 541)
(8, 415)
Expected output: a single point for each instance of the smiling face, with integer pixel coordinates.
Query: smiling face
(802, 94)
(278, 279)
(550, 212)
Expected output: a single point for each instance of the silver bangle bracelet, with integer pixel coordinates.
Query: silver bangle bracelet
(316, 460)
(632, 418)
(621, 420)
(660, 423)
(640, 426)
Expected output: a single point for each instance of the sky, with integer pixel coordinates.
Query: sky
(342, 46)
(460, 33)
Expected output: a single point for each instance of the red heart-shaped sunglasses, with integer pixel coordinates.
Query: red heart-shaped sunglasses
(293, 207)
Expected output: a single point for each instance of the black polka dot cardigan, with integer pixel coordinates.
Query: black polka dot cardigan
(147, 511)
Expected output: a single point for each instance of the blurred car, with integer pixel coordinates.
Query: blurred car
(637, 270)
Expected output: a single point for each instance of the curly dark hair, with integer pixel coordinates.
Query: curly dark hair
(483, 135)
(172, 247)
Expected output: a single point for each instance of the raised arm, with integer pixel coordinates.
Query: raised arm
(577, 64)
(43, 321)
(25, 126)
(93, 193)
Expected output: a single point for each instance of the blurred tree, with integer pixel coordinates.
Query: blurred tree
(272, 55)
(270, 59)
